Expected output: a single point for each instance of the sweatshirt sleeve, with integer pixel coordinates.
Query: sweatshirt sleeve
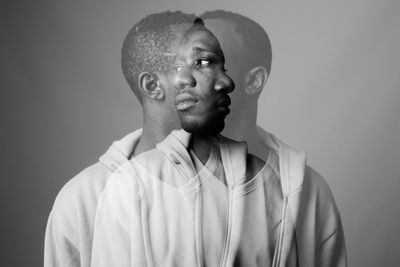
(118, 239)
(62, 232)
(332, 250)
(111, 240)
(329, 237)
(69, 231)
(69, 228)
(59, 249)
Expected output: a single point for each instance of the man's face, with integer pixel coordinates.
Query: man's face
(233, 47)
(201, 84)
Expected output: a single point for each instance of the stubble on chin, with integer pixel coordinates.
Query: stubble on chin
(202, 127)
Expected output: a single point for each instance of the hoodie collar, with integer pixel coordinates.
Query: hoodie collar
(291, 162)
(120, 151)
(175, 147)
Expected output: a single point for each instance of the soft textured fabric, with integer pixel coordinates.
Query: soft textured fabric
(69, 231)
(310, 230)
(143, 221)
(310, 217)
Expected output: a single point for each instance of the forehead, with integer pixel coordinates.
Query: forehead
(225, 32)
(199, 39)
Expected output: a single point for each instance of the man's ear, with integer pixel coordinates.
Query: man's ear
(150, 86)
(255, 80)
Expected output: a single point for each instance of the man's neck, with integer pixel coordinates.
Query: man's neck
(154, 132)
(201, 146)
(247, 130)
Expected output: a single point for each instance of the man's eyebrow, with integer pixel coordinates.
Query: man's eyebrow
(202, 49)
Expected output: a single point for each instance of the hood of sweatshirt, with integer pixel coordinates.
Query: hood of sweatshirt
(120, 151)
(292, 163)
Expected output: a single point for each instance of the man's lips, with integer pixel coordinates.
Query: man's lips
(184, 101)
(224, 102)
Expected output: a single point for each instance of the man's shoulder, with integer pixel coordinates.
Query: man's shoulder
(314, 182)
(316, 189)
(83, 189)
(317, 195)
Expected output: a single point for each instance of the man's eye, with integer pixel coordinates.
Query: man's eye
(203, 62)
(178, 68)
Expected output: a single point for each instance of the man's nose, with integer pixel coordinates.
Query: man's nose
(224, 83)
(185, 79)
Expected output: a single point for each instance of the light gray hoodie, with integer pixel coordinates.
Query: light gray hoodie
(310, 234)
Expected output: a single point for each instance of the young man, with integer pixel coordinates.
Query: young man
(169, 206)
(311, 231)
(147, 56)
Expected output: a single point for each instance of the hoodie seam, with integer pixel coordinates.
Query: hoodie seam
(329, 237)
(332, 234)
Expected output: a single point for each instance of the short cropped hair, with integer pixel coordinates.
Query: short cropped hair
(146, 45)
(258, 50)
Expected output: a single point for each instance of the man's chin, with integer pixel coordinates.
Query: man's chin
(202, 127)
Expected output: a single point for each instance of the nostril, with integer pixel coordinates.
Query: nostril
(192, 83)
(188, 83)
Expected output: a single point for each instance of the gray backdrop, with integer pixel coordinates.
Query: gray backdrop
(333, 92)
